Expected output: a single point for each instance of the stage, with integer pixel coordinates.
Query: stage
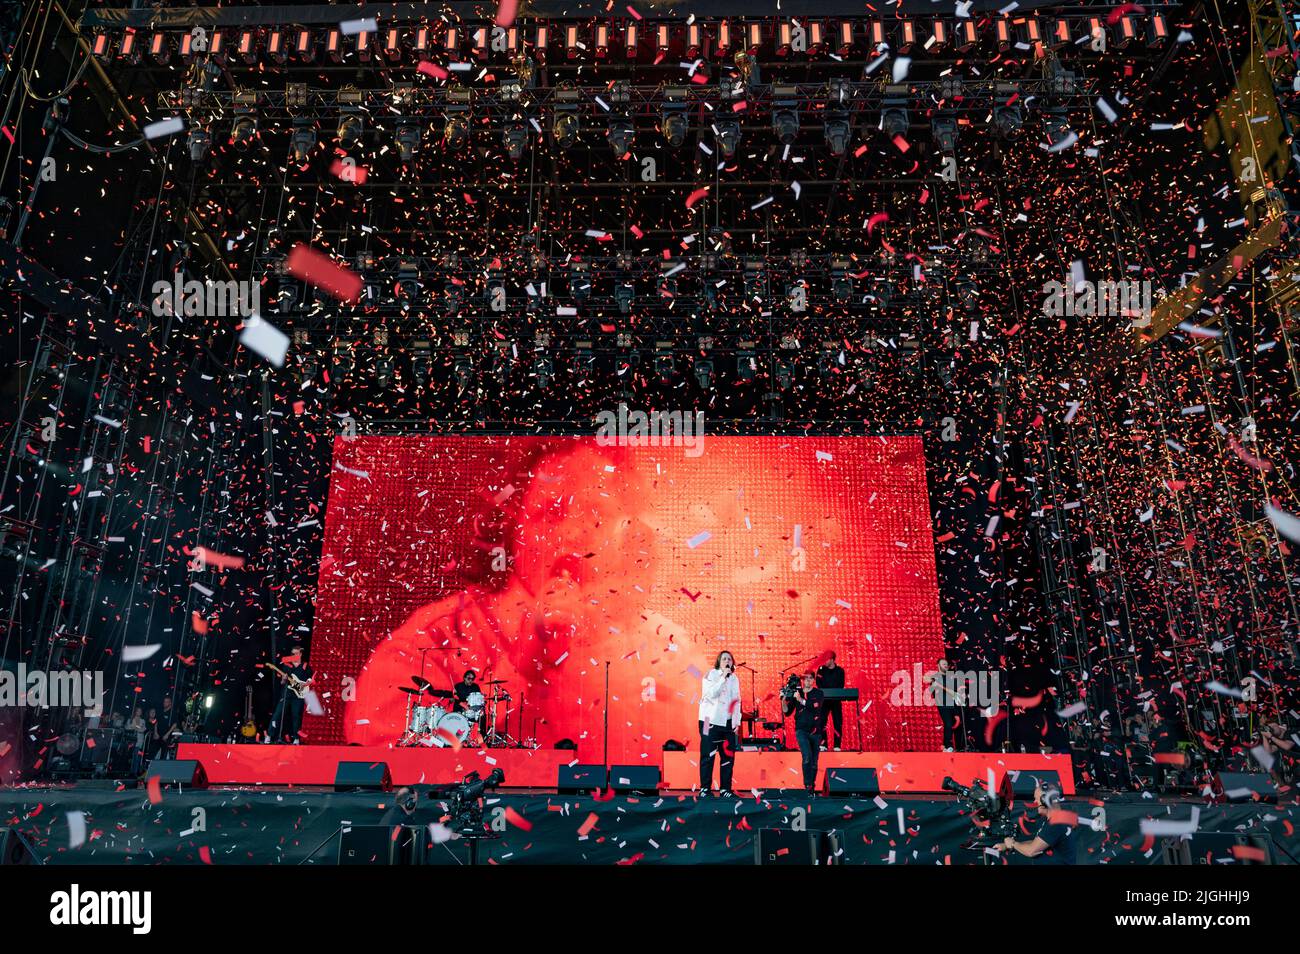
(243, 826)
(897, 772)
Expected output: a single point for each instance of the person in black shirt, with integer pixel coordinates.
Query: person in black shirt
(808, 704)
(466, 688)
(1054, 844)
(831, 676)
(287, 721)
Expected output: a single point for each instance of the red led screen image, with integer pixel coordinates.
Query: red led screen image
(552, 562)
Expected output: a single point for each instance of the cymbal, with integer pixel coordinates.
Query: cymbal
(421, 682)
(440, 693)
(494, 682)
(408, 689)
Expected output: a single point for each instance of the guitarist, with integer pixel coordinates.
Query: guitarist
(287, 720)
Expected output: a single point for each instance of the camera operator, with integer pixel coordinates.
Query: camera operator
(1285, 751)
(1054, 843)
(808, 703)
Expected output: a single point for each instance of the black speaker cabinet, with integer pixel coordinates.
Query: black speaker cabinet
(1217, 848)
(376, 845)
(184, 772)
(783, 846)
(635, 779)
(363, 777)
(580, 779)
(851, 781)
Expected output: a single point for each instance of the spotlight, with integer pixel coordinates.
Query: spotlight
(786, 124)
(1007, 117)
(384, 371)
(837, 135)
(1057, 123)
(514, 137)
(199, 142)
(894, 119)
(621, 135)
(727, 134)
(350, 129)
(675, 125)
(944, 129)
(564, 127)
(704, 373)
(408, 140)
(244, 129)
(623, 297)
(665, 366)
(421, 362)
(544, 371)
(745, 365)
(302, 141)
(463, 368)
(456, 130)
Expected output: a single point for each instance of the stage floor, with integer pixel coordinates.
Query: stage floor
(96, 825)
(897, 772)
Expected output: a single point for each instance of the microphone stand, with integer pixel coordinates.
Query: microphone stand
(753, 696)
(606, 754)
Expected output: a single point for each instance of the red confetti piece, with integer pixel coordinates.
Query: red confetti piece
(586, 827)
(518, 820)
(507, 10)
(429, 68)
(696, 196)
(155, 790)
(318, 269)
(1123, 10)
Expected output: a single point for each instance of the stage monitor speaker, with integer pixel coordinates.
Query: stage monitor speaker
(851, 781)
(580, 779)
(185, 772)
(1217, 848)
(634, 779)
(1245, 787)
(376, 845)
(15, 848)
(363, 777)
(784, 846)
(1023, 782)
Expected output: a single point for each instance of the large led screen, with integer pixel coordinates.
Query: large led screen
(553, 564)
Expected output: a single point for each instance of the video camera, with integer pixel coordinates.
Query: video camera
(989, 812)
(790, 688)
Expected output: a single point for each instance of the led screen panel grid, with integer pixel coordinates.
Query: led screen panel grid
(537, 560)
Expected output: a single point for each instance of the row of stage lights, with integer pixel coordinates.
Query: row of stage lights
(635, 40)
(788, 118)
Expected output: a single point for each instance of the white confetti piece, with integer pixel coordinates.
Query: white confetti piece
(353, 27)
(702, 537)
(164, 127)
(263, 338)
(137, 653)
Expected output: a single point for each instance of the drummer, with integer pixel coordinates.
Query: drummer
(469, 700)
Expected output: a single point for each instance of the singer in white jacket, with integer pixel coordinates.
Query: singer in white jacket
(719, 719)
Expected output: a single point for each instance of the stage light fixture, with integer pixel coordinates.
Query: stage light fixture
(200, 141)
(384, 371)
(727, 134)
(675, 124)
(704, 373)
(894, 118)
(950, 88)
(544, 371)
(837, 134)
(350, 129)
(579, 281)
(463, 369)
(514, 138)
(244, 129)
(1007, 120)
(665, 366)
(624, 295)
(746, 365)
(564, 126)
(303, 140)
(421, 364)
(785, 123)
(944, 129)
(408, 137)
(621, 135)
(456, 126)
(1057, 123)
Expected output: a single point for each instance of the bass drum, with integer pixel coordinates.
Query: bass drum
(450, 730)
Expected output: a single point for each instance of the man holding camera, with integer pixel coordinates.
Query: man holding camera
(1054, 843)
(808, 704)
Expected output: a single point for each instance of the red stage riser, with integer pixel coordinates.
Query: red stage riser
(539, 768)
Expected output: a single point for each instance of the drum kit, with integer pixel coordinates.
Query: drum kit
(433, 721)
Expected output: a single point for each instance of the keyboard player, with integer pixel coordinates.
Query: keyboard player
(830, 675)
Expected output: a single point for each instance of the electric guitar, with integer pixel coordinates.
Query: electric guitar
(249, 729)
(296, 685)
